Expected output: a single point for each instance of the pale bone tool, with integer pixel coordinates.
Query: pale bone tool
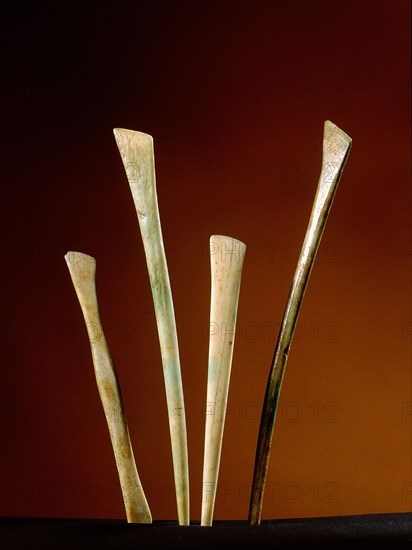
(136, 150)
(226, 259)
(83, 273)
(336, 147)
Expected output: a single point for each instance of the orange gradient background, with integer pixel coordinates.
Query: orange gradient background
(235, 94)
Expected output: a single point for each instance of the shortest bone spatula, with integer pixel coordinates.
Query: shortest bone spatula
(226, 259)
(83, 273)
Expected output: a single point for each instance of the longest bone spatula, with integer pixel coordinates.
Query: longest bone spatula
(82, 269)
(136, 150)
(336, 147)
(226, 261)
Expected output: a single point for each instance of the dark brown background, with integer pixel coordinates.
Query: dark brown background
(235, 94)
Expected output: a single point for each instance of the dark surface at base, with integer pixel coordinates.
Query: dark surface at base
(333, 532)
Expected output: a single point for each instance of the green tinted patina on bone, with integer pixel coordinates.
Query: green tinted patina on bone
(136, 150)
